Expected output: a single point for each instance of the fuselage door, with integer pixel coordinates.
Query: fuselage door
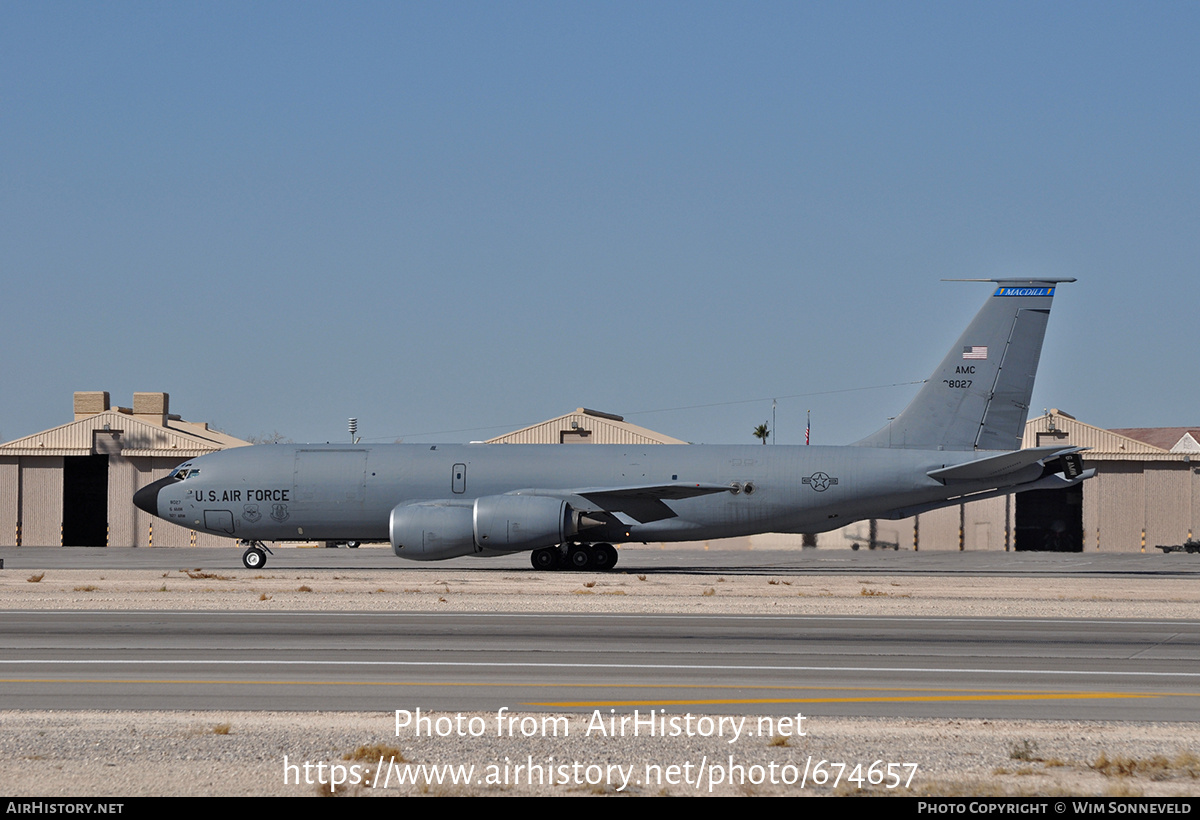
(458, 478)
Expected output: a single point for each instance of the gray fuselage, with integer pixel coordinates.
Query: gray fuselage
(316, 492)
(440, 501)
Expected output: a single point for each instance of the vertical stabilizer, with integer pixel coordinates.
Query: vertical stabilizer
(978, 398)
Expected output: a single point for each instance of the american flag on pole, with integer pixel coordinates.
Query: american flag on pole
(975, 352)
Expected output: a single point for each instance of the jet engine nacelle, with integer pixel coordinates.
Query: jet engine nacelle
(433, 530)
(511, 523)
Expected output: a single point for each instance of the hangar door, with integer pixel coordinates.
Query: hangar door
(85, 501)
(1050, 520)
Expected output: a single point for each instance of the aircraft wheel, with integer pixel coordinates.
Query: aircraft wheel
(254, 558)
(352, 545)
(580, 557)
(604, 556)
(544, 558)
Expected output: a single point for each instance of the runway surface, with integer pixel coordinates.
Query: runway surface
(695, 559)
(920, 667)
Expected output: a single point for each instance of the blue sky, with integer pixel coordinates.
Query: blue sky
(454, 219)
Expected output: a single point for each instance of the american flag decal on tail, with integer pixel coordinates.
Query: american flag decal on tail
(975, 352)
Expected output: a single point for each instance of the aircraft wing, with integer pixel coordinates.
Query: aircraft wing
(641, 502)
(1005, 465)
(663, 492)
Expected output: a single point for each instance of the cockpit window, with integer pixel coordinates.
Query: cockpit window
(183, 472)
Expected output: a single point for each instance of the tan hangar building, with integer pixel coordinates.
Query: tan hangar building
(73, 485)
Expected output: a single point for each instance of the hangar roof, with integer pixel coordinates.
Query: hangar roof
(585, 426)
(100, 429)
(1143, 443)
(1172, 439)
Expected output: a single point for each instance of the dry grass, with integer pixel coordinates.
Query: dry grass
(221, 729)
(1155, 767)
(304, 588)
(1024, 749)
(1189, 760)
(374, 752)
(708, 592)
(87, 588)
(197, 575)
(779, 740)
(1123, 789)
(33, 579)
(599, 789)
(974, 787)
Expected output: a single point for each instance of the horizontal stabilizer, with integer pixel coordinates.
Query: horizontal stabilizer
(1054, 481)
(1005, 465)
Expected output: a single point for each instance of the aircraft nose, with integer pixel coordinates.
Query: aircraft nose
(146, 499)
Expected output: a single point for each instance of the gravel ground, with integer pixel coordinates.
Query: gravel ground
(526, 591)
(67, 753)
(124, 754)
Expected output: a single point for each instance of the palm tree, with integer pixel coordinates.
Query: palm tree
(761, 432)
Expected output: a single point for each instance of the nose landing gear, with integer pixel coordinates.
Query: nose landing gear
(255, 556)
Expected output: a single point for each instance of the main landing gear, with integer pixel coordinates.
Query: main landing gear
(255, 556)
(575, 556)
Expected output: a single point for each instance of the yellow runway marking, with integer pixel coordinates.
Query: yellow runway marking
(964, 698)
(884, 694)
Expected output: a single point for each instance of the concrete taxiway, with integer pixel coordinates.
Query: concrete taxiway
(695, 558)
(754, 664)
(947, 657)
(992, 635)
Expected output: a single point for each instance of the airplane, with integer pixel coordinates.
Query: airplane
(958, 440)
